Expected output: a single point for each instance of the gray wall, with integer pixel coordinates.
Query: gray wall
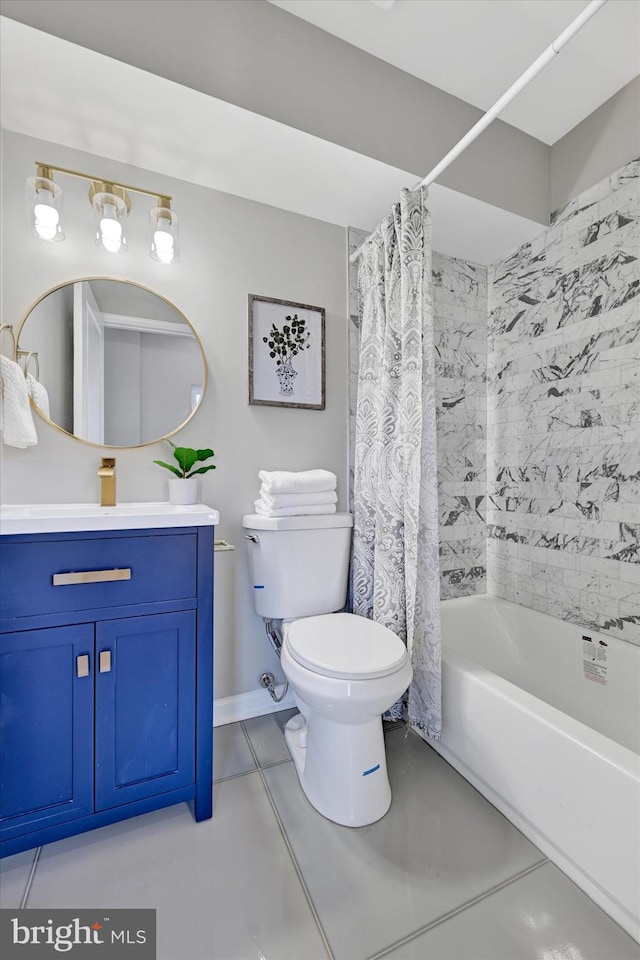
(169, 396)
(602, 143)
(144, 398)
(229, 248)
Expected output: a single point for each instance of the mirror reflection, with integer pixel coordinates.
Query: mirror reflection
(121, 365)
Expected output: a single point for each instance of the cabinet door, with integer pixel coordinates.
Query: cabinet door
(145, 707)
(46, 727)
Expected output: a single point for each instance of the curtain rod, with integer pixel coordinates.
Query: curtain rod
(545, 57)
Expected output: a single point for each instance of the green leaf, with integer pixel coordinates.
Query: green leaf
(211, 466)
(175, 470)
(204, 454)
(185, 456)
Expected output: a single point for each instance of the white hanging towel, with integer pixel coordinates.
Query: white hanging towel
(306, 481)
(16, 419)
(38, 393)
(276, 500)
(314, 509)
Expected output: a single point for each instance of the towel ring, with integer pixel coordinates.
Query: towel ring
(30, 355)
(6, 327)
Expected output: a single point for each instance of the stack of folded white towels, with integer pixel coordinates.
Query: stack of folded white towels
(287, 494)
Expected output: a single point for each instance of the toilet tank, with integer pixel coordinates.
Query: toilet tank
(299, 565)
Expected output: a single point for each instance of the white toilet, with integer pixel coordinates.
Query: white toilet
(344, 670)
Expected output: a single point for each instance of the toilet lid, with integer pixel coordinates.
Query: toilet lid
(345, 646)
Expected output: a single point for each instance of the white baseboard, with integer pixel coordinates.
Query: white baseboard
(255, 703)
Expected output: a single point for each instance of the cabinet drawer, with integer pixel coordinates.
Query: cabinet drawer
(159, 568)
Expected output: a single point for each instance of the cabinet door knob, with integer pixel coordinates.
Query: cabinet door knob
(82, 665)
(105, 661)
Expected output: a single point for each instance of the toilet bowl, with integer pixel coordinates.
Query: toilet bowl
(344, 671)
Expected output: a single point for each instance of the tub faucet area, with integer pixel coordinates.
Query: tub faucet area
(107, 474)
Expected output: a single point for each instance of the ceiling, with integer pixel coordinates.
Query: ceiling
(475, 50)
(129, 115)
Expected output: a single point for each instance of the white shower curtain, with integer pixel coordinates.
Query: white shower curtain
(395, 569)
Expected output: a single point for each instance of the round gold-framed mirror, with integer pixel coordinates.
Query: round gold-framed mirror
(110, 362)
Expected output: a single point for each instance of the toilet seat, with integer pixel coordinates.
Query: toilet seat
(344, 646)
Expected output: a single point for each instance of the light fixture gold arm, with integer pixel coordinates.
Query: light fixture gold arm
(107, 186)
(46, 169)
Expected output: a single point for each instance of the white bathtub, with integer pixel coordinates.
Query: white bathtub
(555, 752)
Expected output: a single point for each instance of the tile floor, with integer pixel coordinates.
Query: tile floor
(442, 877)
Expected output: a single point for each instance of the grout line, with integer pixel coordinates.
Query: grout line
(275, 763)
(398, 725)
(244, 773)
(460, 909)
(287, 842)
(32, 873)
(234, 776)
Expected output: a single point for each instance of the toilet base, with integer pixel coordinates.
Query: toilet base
(342, 767)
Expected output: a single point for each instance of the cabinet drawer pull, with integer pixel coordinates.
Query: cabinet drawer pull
(91, 576)
(105, 661)
(82, 665)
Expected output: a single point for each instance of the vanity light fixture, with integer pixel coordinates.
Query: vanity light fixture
(163, 230)
(44, 205)
(111, 203)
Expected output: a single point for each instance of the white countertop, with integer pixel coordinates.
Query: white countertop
(76, 517)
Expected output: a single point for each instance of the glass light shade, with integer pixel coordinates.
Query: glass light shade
(44, 208)
(111, 212)
(163, 235)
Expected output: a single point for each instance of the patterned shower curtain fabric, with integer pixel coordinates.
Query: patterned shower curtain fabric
(395, 567)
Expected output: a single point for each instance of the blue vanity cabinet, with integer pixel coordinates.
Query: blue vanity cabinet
(106, 679)
(46, 727)
(145, 706)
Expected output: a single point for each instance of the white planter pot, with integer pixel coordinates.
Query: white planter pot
(183, 491)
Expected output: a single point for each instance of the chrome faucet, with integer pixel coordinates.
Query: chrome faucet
(107, 474)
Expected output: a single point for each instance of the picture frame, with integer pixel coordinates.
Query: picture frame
(286, 354)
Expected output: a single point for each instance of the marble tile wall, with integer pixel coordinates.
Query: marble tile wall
(563, 443)
(460, 329)
(460, 308)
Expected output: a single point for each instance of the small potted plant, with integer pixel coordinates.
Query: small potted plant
(184, 489)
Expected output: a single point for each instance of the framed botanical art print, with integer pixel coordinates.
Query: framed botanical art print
(286, 354)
